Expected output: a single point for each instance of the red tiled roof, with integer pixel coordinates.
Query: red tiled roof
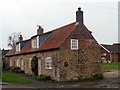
(11, 52)
(55, 40)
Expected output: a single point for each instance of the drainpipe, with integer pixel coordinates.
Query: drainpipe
(110, 57)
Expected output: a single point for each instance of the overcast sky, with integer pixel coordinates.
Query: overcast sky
(24, 15)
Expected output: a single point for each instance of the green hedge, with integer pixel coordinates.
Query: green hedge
(44, 78)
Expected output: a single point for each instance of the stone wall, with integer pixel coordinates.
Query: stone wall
(80, 63)
(26, 58)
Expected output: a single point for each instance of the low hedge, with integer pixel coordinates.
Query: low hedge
(43, 77)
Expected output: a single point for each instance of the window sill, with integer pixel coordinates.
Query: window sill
(48, 68)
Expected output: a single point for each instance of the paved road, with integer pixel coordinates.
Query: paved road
(110, 81)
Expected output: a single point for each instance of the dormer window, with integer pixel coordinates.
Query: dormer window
(18, 47)
(74, 44)
(35, 42)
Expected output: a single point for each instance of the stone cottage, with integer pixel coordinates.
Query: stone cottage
(64, 53)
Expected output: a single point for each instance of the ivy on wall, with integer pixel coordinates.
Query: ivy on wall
(34, 65)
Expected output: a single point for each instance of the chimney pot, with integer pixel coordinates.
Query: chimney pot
(79, 16)
(39, 30)
(20, 38)
(79, 9)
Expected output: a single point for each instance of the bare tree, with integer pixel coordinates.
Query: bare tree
(13, 39)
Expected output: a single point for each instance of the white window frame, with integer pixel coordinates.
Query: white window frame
(18, 47)
(34, 43)
(74, 44)
(10, 63)
(22, 64)
(18, 63)
(37, 41)
(30, 62)
(48, 63)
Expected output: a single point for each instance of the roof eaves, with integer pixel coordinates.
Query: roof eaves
(105, 48)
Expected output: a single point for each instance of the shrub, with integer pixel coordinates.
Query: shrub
(44, 78)
(98, 76)
(11, 69)
(81, 78)
(22, 71)
(17, 69)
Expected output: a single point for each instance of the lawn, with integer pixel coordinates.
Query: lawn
(12, 77)
(110, 66)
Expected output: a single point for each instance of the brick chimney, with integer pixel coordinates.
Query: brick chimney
(20, 38)
(79, 16)
(39, 30)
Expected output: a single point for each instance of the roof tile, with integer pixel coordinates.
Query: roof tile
(55, 40)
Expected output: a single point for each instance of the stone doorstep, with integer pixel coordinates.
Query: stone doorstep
(103, 86)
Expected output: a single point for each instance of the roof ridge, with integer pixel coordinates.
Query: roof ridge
(63, 26)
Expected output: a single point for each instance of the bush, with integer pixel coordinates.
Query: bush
(22, 71)
(81, 78)
(17, 69)
(44, 78)
(11, 69)
(98, 76)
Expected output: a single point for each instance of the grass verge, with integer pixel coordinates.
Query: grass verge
(110, 66)
(12, 77)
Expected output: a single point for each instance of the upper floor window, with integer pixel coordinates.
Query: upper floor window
(48, 63)
(18, 47)
(35, 42)
(74, 44)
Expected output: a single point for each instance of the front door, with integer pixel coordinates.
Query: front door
(39, 66)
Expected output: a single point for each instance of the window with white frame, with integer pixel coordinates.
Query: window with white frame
(30, 62)
(18, 63)
(48, 63)
(34, 43)
(74, 44)
(37, 41)
(10, 63)
(22, 64)
(18, 47)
